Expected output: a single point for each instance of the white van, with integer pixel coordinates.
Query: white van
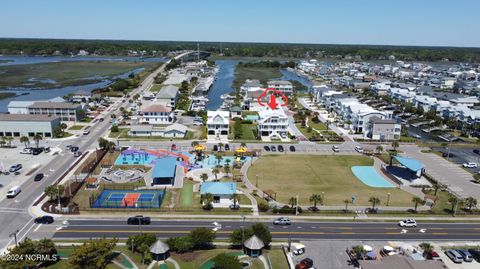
(359, 149)
(86, 131)
(13, 192)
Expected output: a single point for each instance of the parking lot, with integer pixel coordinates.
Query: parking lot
(462, 155)
(332, 254)
(30, 164)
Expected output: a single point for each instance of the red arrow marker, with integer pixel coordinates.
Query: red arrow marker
(273, 102)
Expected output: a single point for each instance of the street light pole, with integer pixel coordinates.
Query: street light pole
(323, 198)
(388, 198)
(243, 233)
(296, 208)
(256, 182)
(14, 234)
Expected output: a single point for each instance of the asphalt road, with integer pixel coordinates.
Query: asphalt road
(84, 229)
(14, 214)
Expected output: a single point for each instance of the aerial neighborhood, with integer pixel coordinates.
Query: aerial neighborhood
(141, 154)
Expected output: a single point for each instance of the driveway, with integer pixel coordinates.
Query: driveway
(458, 180)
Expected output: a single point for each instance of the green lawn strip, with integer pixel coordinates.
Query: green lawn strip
(76, 127)
(209, 264)
(304, 175)
(187, 196)
(124, 261)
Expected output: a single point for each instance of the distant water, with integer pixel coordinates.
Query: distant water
(17, 59)
(289, 75)
(223, 84)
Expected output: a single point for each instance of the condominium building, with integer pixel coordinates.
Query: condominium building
(156, 114)
(65, 111)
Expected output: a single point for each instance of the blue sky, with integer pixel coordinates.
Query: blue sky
(402, 22)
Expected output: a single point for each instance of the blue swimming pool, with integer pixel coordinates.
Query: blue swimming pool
(370, 177)
(211, 161)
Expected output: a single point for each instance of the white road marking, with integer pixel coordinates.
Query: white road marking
(38, 227)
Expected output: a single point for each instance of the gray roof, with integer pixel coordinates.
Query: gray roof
(279, 82)
(141, 128)
(27, 117)
(177, 127)
(168, 92)
(20, 103)
(159, 248)
(54, 105)
(377, 120)
(254, 243)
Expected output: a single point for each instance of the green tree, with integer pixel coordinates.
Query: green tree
(81, 114)
(63, 127)
(262, 232)
(224, 261)
(374, 200)
(216, 171)
(226, 169)
(292, 201)
(426, 247)
(134, 241)
(54, 190)
(395, 145)
(237, 129)
(235, 199)
(202, 238)
(379, 149)
(114, 129)
(25, 141)
(204, 177)
(37, 138)
(219, 158)
(416, 200)
(180, 244)
(455, 202)
(92, 254)
(207, 200)
(470, 202)
(316, 198)
(346, 202)
(28, 247)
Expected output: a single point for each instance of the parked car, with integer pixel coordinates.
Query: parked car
(26, 151)
(280, 148)
(359, 149)
(38, 177)
(475, 254)
(266, 148)
(13, 192)
(454, 256)
(138, 220)
(74, 148)
(226, 147)
(298, 249)
(68, 147)
(432, 256)
(46, 149)
(215, 147)
(467, 257)
(306, 263)
(407, 223)
(273, 148)
(86, 131)
(292, 148)
(476, 151)
(14, 168)
(36, 151)
(448, 155)
(282, 221)
(44, 220)
(77, 154)
(470, 165)
(335, 148)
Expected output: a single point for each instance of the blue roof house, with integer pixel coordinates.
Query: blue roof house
(164, 171)
(222, 192)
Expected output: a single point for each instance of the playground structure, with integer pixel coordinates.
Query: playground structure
(160, 153)
(123, 176)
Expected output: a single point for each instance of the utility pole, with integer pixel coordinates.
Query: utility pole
(296, 208)
(14, 234)
(58, 196)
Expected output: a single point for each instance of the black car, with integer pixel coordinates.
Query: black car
(215, 148)
(38, 177)
(227, 147)
(280, 148)
(74, 149)
(138, 220)
(44, 219)
(266, 148)
(36, 151)
(476, 151)
(475, 254)
(292, 148)
(449, 155)
(273, 148)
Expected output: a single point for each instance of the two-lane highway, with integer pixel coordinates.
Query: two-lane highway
(84, 229)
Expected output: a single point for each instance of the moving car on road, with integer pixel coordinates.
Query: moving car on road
(138, 220)
(335, 148)
(470, 165)
(448, 155)
(77, 154)
(359, 149)
(44, 220)
(38, 177)
(282, 221)
(454, 256)
(407, 223)
(14, 168)
(13, 192)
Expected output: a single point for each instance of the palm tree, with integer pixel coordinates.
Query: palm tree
(375, 201)
(219, 158)
(426, 247)
(292, 201)
(9, 140)
(37, 138)
(226, 169)
(194, 143)
(379, 149)
(346, 202)
(204, 177)
(454, 201)
(220, 146)
(25, 141)
(63, 127)
(216, 171)
(207, 200)
(235, 199)
(436, 186)
(417, 200)
(395, 145)
(470, 202)
(316, 198)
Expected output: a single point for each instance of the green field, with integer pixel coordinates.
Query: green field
(261, 73)
(63, 73)
(76, 127)
(289, 175)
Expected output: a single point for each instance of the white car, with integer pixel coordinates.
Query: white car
(407, 223)
(335, 148)
(282, 221)
(470, 165)
(359, 149)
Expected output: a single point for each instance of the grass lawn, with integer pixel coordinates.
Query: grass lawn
(196, 259)
(187, 195)
(277, 258)
(289, 175)
(247, 132)
(156, 88)
(61, 74)
(76, 127)
(261, 73)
